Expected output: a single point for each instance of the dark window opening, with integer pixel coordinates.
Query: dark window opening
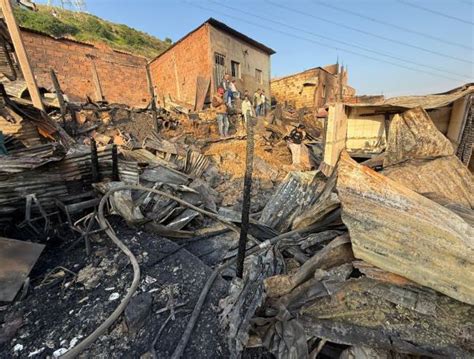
(235, 69)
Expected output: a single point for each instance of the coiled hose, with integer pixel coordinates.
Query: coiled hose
(72, 353)
(179, 350)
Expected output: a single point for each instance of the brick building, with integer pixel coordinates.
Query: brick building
(313, 88)
(193, 67)
(79, 66)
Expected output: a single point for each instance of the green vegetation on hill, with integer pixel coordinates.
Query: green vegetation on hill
(89, 28)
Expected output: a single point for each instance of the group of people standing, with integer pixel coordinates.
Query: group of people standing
(224, 100)
(260, 102)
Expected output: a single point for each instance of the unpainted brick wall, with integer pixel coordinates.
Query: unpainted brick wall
(122, 76)
(175, 72)
(290, 89)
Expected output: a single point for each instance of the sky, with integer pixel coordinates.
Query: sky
(390, 47)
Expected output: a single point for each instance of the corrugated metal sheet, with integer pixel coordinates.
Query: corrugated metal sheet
(412, 135)
(445, 176)
(68, 176)
(19, 128)
(427, 101)
(23, 159)
(402, 232)
(294, 194)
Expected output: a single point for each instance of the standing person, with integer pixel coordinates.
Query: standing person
(227, 90)
(247, 108)
(233, 88)
(257, 101)
(294, 140)
(221, 109)
(263, 110)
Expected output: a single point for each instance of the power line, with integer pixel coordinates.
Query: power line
(391, 56)
(435, 12)
(318, 43)
(368, 33)
(395, 26)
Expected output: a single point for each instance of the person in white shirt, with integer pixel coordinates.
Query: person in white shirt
(263, 105)
(247, 108)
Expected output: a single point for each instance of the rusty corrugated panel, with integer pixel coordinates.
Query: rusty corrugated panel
(427, 101)
(402, 319)
(14, 190)
(412, 135)
(421, 158)
(293, 195)
(19, 128)
(15, 164)
(23, 159)
(400, 231)
(62, 178)
(445, 176)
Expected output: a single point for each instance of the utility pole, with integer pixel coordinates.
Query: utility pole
(22, 56)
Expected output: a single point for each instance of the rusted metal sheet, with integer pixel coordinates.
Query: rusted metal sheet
(412, 135)
(400, 231)
(445, 176)
(426, 101)
(404, 319)
(15, 164)
(17, 258)
(57, 179)
(23, 130)
(296, 192)
(421, 158)
(20, 160)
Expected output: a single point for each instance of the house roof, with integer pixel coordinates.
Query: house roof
(426, 101)
(223, 27)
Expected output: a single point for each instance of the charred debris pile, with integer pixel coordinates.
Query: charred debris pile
(120, 232)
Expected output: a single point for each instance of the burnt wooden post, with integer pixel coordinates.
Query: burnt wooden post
(115, 169)
(59, 94)
(153, 97)
(94, 162)
(21, 54)
(95, 77)
(244, 228)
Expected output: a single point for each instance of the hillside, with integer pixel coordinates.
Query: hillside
(89, 28)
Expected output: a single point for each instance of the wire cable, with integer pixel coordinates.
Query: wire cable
(395, 26)
(392, 56)
(367, 32)
(84, 344)
(416, 6)
(324, 45)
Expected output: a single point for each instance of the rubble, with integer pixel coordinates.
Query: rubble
(403, 232)
(133, 218)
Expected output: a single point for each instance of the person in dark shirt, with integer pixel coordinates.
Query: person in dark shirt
(295, 140)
